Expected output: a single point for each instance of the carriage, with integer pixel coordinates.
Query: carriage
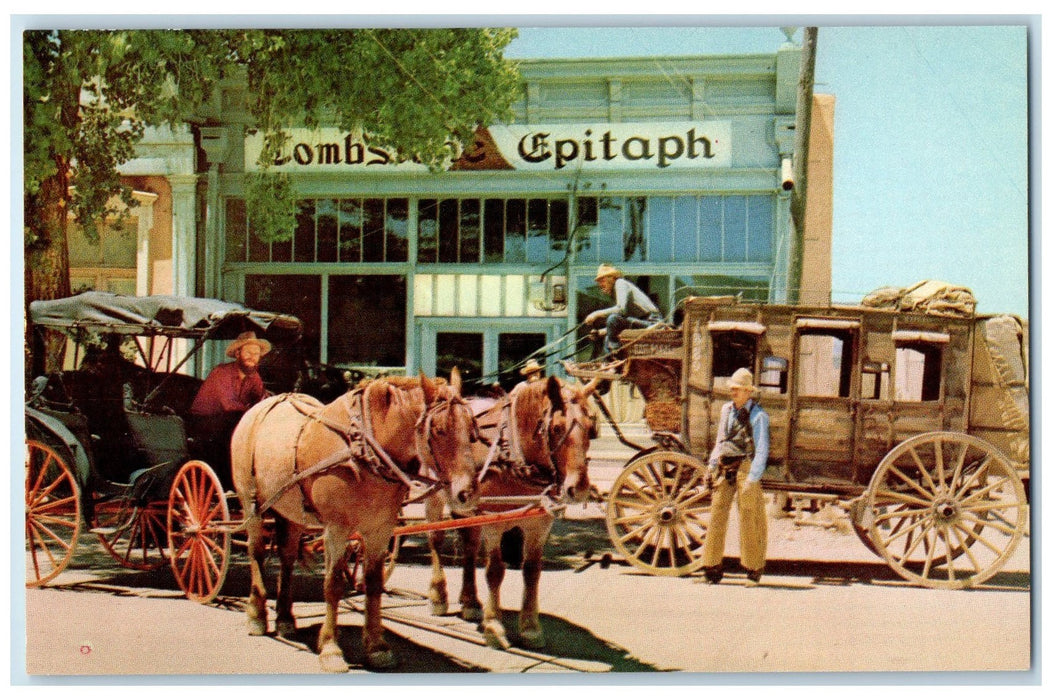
(107, 449)
(914, 420)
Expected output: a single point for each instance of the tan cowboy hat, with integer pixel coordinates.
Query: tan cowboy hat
(530, 368)
(741, 379)
(248, 338)
(607, 271)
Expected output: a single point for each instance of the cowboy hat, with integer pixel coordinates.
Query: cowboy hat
(530, 368)
(741, 379)
(248, 338)
(606, 270)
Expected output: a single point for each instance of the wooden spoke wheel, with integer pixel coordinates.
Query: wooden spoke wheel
(945, 510)
(134, 535)
(198, 532)
(658, 513)
(53, 513)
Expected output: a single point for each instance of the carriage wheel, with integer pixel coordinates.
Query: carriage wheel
(198, 532)
(945, 510)
(658, 513)
(135, 536)
(52, 513)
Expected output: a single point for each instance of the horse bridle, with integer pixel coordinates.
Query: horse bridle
(424, 429)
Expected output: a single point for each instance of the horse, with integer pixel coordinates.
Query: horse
(538, 439)
(346, 467)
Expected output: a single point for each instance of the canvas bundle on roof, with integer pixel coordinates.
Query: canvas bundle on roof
(927, 297)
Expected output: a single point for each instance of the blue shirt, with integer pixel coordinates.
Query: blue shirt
(761, 436)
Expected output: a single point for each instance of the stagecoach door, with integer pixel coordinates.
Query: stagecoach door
(823, 401)
(485, 352)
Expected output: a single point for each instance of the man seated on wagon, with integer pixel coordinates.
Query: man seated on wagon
(632, 307)
(229, 390)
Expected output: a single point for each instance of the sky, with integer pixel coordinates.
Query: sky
(931, 143)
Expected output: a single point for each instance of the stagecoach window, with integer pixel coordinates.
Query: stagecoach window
(875, 380)
(731, 350)
(824, 362)
(918, 371)
(774, 377)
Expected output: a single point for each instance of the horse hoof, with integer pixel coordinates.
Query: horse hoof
(532, 639)
(286, 628)
(257, 627)
(471, 613)
(382, 659)
(439, 608)
(496, 638)
(332, 661)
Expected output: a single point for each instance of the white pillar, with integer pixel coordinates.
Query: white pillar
(184, 234)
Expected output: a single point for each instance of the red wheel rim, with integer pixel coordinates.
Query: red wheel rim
(53, 519)
(198, 532)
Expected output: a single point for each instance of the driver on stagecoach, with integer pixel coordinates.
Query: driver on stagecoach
(229, 390)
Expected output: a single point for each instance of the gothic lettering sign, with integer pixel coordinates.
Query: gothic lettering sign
(653, 146)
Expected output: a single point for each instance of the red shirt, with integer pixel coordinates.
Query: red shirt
(225, 391)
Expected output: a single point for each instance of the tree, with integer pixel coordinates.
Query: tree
(88, 97)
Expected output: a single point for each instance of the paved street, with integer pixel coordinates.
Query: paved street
(826, 604)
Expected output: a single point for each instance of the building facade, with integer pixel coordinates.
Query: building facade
(678, 170)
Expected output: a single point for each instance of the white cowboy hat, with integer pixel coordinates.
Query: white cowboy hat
(530, 368)
(606, 270)
(248, 338)
(741, 379)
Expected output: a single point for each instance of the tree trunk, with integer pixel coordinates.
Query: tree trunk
(46, 268)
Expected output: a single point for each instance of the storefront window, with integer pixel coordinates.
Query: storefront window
(492, 230)
(299, 295)
(367, 320)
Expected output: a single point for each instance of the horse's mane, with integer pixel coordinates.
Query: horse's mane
(399, 381)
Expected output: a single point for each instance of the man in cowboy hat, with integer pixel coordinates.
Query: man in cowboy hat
(229, 390)
(532, 371)
(632, 307)
(738, 460)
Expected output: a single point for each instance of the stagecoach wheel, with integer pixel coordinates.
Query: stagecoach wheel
(52, 513)
(198, 532)
(945, 510)
(134, 535)
(658, 513)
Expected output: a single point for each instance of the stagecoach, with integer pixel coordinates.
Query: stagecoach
(915, 420)
(107, 449)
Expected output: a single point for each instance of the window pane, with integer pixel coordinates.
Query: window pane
(711, 215)
(447, 230)
(299, 295)
(537, 231)
(610, 229)
(634, 234)
(350, 230)
(328, 229)
(470, 231)
(236, 230)
(515, 231)
(512, 351)
(660, 229)
(918, 373)
(731, 350)
(685, 235)
(303, 237)
(427, 245)
(558, 210)
(397, 230)
(367, 320)
(734, 223)
(586, 238)
(761, 228)
(493, 223)
(463, 351)
(373, 230)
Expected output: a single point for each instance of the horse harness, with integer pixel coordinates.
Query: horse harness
(362, 449)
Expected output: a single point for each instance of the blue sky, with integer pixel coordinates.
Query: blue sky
(931, 151)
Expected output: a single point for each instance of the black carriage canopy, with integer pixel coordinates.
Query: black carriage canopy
(180, 317)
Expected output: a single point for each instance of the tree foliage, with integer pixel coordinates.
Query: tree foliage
(89, 95)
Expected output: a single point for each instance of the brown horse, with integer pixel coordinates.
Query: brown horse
(539, 436)
(346, 466)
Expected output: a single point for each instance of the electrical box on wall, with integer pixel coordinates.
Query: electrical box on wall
(548, 294)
